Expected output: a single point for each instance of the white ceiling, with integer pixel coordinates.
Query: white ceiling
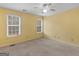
(37, 8)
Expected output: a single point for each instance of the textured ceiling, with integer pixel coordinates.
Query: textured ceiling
(37, 8)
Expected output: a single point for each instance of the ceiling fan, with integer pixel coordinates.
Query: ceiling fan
(47, 7)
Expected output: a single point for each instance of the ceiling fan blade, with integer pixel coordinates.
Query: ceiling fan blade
(44, 5)
(49, 4)
(52, 9)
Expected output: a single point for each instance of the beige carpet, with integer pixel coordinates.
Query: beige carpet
(41, 47)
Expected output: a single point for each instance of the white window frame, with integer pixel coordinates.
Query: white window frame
(39, 19)
(13, 25)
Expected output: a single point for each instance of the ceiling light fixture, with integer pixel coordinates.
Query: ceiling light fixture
(44, 11)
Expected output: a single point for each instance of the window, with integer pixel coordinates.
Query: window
(13, 25)
(39, 25)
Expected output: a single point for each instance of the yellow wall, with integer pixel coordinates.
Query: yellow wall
(28, 28)
(63, 26)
